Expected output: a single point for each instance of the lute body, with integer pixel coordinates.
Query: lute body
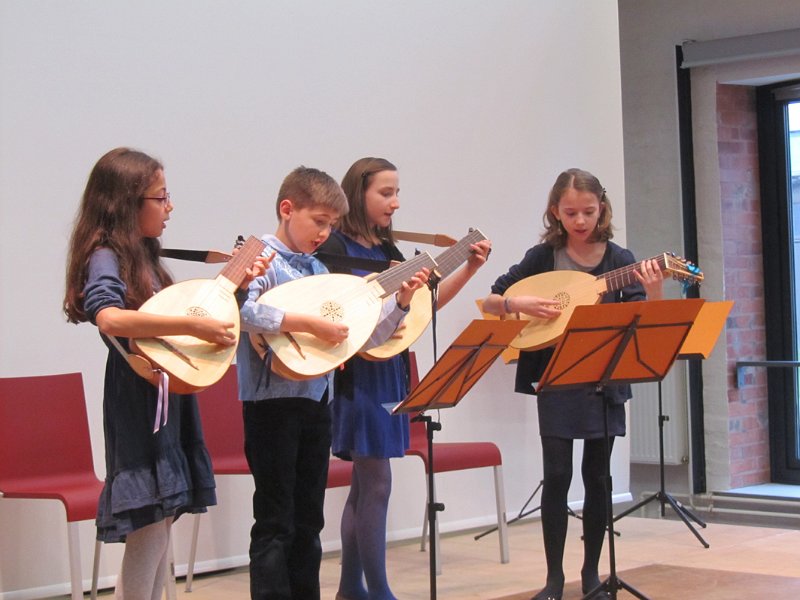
(421, 310)
(574, 288)
(194, 364)
(349, 299)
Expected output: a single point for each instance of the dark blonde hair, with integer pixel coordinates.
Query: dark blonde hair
(109, 217)
(582, 181)
(309, 188)
(355, 184)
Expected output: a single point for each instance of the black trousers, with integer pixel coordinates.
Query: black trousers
(287, 443)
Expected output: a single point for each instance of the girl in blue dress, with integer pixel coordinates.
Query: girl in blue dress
(113, 267)
(364, 430)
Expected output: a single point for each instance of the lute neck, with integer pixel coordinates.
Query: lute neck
(449, 260)
(235, 269)
(392, 279)
(625, 276)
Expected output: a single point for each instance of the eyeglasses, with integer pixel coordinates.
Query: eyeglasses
(163, 200)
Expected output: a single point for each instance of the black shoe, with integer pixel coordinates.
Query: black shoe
(600, 595)
(548, 594)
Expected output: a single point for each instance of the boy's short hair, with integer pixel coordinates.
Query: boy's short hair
(307, 187)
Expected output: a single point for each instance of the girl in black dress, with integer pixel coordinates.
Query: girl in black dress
(113, 267)
(577, 237)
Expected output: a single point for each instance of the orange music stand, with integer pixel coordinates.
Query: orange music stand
(461, 366)
(703, 335)
(618, 343)
(698, 344)
(450, 378)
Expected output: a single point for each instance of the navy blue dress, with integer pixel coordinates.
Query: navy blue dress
(571, 414)
(362, 423)
(149, 476)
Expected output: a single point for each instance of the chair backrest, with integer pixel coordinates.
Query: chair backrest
(413, 369)
(223, 428)
(418, 436)
(44, 429)
(340, 473)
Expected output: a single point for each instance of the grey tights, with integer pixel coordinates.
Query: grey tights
(144, 565)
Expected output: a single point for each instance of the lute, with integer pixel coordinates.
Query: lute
(574, 288)
(349, 299)
(421, 311)
(194, 364)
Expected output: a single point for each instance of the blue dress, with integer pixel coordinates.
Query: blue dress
(149, 476)
(362, 423)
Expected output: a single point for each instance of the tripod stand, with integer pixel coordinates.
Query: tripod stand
(448, 381)
(661, 495)
(612, 583)
(698, 345)
(615, 344)
(524, 513)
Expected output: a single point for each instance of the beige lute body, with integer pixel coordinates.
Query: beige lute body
(414, 324)
(421, 309)
(349, 299)
(569, 288)
(574, 288)
(194, 364)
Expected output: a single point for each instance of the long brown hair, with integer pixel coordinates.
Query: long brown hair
(109, 217)
(583, 181)
(355, 184)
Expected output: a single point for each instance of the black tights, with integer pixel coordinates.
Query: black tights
(557, 458)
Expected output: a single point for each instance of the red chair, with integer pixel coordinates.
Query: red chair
(221, 415)
(340, 473)
(47, 454)
(456, 456)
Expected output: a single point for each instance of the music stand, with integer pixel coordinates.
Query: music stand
(618, 343)
(698, 345)
(450, 378)
(509, 355)
(524, 512)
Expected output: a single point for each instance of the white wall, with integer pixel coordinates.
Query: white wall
(480, 104)
(649, 32)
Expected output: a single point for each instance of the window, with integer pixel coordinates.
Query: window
(779, 152)
(792, 120)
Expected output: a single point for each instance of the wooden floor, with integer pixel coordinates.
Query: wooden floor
(472, 569)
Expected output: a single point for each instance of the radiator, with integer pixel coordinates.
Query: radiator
(643, 425)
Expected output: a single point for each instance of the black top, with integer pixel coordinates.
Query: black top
(574, 414)
(149, 476)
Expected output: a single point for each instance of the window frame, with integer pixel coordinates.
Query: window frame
(780, 301)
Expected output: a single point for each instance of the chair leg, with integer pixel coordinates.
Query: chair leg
(74, 543)
(192, 553)
(98, 545)
(502, 525)
(169, 577)
(424, 539)
(438, 546)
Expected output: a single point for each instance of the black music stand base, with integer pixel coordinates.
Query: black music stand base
(448, 381)
(662, 496)
(523, 512)
(610, 586)
(617, 343)
(612, 583)
(433, 507)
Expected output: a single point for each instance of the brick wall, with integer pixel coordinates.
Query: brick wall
(748, 427)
